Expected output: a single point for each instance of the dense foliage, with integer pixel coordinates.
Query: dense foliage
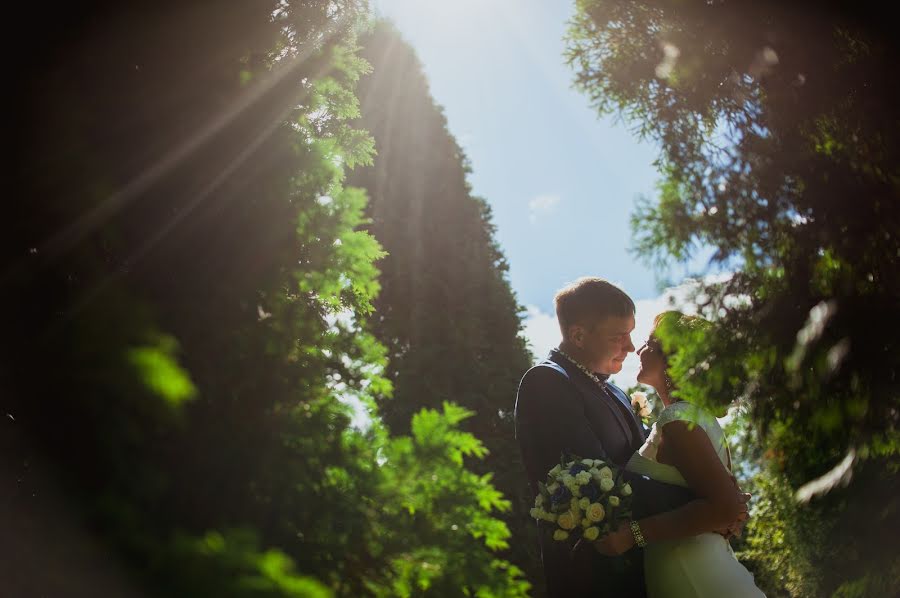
(779, 137)
(186, 285)
(445, 313)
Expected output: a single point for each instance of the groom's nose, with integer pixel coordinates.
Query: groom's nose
(630, 347)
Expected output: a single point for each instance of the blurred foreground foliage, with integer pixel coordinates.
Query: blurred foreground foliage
(778, 132)
(187, 290)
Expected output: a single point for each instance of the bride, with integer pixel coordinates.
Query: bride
(686, 447)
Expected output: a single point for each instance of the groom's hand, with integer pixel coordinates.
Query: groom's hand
(736, 529)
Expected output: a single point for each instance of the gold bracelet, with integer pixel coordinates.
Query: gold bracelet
(638, 536)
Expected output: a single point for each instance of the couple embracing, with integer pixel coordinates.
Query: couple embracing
(676, 545)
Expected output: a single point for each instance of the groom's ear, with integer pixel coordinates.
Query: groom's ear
(576, 333)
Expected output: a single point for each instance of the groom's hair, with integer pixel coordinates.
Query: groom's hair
(590, 299)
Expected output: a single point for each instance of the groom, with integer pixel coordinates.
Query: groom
(566, 405)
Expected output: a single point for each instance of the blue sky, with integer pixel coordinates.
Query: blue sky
(562, 183)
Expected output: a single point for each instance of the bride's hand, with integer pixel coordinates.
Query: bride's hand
(615, 543)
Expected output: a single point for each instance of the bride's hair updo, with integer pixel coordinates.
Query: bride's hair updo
(672, 323)
(676, 323)
(590, 298)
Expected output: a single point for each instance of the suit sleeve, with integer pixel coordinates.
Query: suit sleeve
(550, 421)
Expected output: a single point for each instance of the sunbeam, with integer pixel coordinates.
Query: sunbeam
(64, 240)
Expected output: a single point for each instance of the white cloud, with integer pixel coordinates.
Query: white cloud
(541, 331)
(542, 204)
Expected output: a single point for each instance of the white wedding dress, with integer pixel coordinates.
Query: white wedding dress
(701, 566)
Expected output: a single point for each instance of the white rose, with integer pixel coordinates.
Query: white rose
(598, 463)
(584, 503)
(585, 522)
(566, 520)
(613, 501)
(596, 512)
(606, 472)
(560, 535)
(592, 533)
(606, 484)
(626, 490)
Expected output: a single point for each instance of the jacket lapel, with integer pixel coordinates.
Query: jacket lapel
(592, 392)
(623, 399)
(619, 396)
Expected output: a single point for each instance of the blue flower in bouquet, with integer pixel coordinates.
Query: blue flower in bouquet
(561, 496)
(578, 467)
(591, 492)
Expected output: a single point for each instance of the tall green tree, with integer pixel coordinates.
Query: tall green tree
(778, 133)
(186, 286)
(446, 312)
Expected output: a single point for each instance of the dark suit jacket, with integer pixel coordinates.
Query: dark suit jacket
(560, 410)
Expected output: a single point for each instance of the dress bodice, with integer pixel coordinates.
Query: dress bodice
(699, 566)
(644, 460)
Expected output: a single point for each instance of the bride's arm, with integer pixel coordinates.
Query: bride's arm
(718, 504)
(689, 449)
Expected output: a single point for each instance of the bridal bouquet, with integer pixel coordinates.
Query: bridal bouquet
(584, 498)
